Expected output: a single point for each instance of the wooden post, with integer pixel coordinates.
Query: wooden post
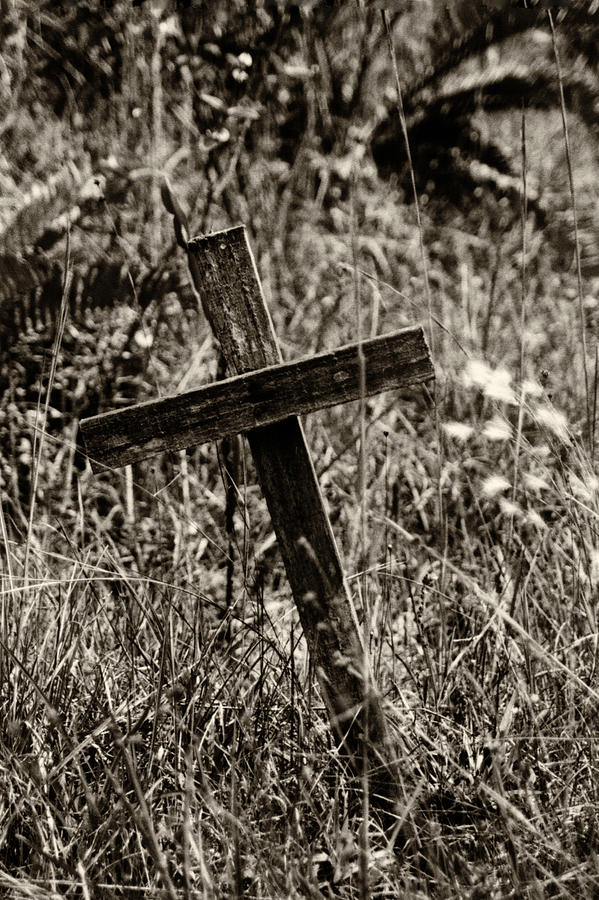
(225, 275)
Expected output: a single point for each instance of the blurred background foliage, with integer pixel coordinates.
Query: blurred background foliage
(283, 117)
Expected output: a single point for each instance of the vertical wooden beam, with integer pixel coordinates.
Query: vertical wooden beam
(225, 276)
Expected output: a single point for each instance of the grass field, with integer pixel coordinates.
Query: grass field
(162, 733)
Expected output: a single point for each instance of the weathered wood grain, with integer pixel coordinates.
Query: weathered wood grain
(225, 275)
(255, 399)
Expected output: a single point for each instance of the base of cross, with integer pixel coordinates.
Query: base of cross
(263, 398)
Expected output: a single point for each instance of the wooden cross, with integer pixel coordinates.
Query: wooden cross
(263, 400)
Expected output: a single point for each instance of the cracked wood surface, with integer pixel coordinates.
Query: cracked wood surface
(225, 276)
(255, 399)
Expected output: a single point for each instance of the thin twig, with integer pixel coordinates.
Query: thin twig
(40, 425)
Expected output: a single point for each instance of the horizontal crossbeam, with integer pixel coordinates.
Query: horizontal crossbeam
(257, 398)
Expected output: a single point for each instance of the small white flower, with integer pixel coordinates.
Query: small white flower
(495, 383)
(594, 565)
(531, 388)
(585, 488)
(477, 373)
(534, 482)
(494, 485)
(498, 387)
(170, 27)
(534, 518)
(497, 430)
(552, 419)
(143, 339)
(509, 508)
(578, 487)
(459, 431)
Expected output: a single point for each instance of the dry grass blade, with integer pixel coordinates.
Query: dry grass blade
(42, 418)
(162, 729)
(583, 336)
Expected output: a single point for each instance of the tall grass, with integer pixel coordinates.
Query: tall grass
(162, 732)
